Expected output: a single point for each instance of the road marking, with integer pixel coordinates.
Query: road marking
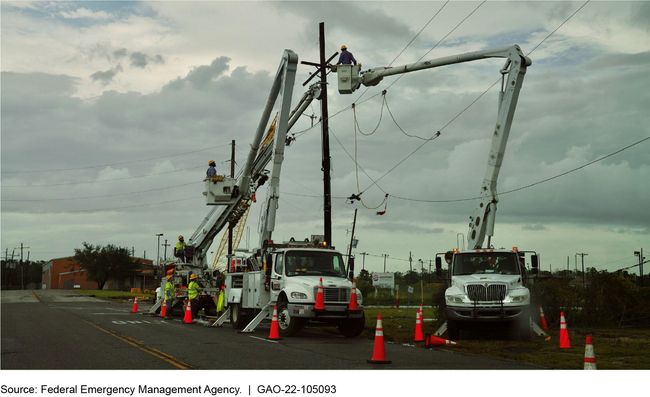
(147, 349)
(37, 297)
(263, 339)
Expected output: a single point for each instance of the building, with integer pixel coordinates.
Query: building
(63, 273)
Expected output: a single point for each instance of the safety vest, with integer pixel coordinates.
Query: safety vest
(169, 290)
(193, 290)
(180, 246)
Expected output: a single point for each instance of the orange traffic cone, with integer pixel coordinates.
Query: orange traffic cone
(590, 356)
(435, 341)
(418, 327)
(320, 298)
(379, 353)
(188, 313)
(163, 310)
(353, 297)
(542, 319)
(564, 333)
(135, 305)
(275, 329)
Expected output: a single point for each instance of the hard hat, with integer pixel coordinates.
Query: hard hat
(193, 276)
(211, 162)
(344, 47)
(169, 277)
(180, 237)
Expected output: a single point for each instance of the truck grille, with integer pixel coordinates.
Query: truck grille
(335, 294)
(490, 292)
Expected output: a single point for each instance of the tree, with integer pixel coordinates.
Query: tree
(104, 263)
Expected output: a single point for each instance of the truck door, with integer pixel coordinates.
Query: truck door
(277, 276)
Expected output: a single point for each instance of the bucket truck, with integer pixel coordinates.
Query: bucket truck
(287, 275)
(485, 285)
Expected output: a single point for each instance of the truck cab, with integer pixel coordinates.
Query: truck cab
(487, 285)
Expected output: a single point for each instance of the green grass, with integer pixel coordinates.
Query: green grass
(615, 348)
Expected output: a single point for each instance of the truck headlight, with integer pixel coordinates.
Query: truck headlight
(520, 298)
(298, 295)
(455, 298)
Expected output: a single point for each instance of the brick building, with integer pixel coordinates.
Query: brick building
(62, 273)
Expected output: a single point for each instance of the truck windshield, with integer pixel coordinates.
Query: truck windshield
(485, 263)
(314, 263)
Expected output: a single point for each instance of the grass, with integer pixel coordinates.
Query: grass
(115, 295)
(615, 348)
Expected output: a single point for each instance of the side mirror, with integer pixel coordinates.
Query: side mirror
(534, 261)
(269, 263)
(438, 266)
(351, 267)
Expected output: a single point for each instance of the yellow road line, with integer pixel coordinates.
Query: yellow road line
(154, 352)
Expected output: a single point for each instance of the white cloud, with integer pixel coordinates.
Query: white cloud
(85, 13)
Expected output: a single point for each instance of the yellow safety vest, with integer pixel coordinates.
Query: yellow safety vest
(193, 290)
(169, 290)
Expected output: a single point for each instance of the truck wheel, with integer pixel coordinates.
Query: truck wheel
(236, 318)
(352, 328)
(287, 325)
(453, 330)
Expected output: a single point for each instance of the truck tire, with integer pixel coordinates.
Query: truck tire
(353, 327)
(237, 319)
(523, 326)
(453, 330)
(287, 325)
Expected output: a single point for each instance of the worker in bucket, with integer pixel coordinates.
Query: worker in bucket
(179, 251)
(346, 57)
(169, 296)
(212, 171)
(193, 295)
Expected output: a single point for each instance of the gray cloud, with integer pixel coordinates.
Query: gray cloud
(139, 59)
(107, 76)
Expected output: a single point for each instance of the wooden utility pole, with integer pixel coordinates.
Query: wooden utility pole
(583, 268)
(232, 174)
(326, 159)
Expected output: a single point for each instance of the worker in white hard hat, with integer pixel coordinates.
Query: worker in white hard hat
(346, 57)
(179, 252)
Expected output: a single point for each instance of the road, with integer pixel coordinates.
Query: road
(62, 329)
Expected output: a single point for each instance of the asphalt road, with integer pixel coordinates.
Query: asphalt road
(61, 329)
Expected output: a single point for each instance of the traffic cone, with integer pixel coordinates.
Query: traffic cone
(320, 298)
(275, 329)
(590, 356)
(418, 327)
(542, 319)
(135, 305)
(379, 353)
(163, 310)
(353, 297)
(564, 333)
(435, 341)
(188, 313)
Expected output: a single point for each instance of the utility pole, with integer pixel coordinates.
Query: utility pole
(158, 257)
(364, 260)
(166, 245)
(583, 268)
(22, 270)
(232, 174)
(326, 159)
(410, 262)
(641, 258)
(385, 256)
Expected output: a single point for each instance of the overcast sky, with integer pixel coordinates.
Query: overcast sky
(111, 111)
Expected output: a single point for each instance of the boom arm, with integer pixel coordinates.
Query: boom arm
(482, 220)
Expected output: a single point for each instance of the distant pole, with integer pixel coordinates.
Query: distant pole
(232, 175)
(410, 262)
(583, 268)
(385, 256)
(364, 260)
(166, 245)
(641, 258)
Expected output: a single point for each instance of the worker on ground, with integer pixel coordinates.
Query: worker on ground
(212, 171)
(193, 295)
(179, 252)
(169, 296)
(346, 57)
